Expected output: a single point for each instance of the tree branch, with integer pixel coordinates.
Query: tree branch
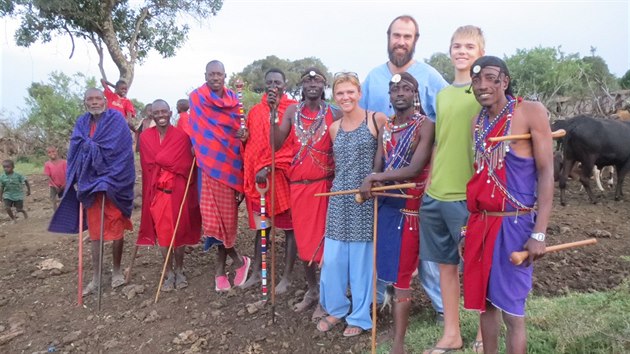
(133, 43)
(65, 27)
(99, 49)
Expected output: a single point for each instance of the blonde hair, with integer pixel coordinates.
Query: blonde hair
(351, 78)
(473, 32)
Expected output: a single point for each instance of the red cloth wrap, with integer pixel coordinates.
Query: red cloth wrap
(183, 123)
(158, 159)
(257, 155)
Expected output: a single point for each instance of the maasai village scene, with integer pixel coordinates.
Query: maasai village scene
(238, 176)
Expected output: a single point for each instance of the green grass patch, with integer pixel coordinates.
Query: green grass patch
(27, 168)
(577, 323)
(625, 258)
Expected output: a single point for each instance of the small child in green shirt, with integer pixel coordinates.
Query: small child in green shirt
(11, 189)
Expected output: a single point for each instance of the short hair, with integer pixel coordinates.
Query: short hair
(93, 89)
(121, 82)
(473, 32)
(159, 100)
(489, 60)
(51, 148)
(351, 78)
(213, 62)
(276, 70)
(183, 102)
(405, 18)
(8, 162)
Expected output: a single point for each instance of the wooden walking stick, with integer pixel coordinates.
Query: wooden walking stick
(360, 200)
(179, 215)
(554, 135)
(100, 252)
(272, 140)
(519, 257)
(80, 280)
(133, 260)
(374, 311)
(374, 189)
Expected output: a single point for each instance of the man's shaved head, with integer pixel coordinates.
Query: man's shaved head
(95, 101)
(213, 63)
(182, 105)
(158, 103)
(91, 91)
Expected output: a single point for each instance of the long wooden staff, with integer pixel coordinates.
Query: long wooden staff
(272, 140)
(518, 257)
(80, 280)
(100, 253)
(374, 189)
(374, 276)
(554, 135)
(179, 215)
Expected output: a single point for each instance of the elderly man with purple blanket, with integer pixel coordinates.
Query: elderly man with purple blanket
(101, 166)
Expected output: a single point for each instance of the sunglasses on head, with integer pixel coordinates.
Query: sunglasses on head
(345, 73)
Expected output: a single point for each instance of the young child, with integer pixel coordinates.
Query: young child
(444, 212)
(55, 169)
(11, 189)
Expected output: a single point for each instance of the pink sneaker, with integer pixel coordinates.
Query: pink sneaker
(241, 273)
(222, 283)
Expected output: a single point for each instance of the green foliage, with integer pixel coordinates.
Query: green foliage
(52, 107)
(624, 82)
(442, 63)
(253, 74)
(128, 29)
(577, 323)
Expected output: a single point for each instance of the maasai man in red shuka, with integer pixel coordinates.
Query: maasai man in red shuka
(305, 129)
(166, 159)
(183, 121)
(100, 165)
(511, 177)
(257, 159)
(215, 122)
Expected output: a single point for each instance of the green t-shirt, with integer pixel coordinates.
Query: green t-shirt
(453, 162)
(12, 186)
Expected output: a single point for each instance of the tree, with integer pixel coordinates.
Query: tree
(253, 74)
(53, 107)
(442, 63)
(624, 82)
(129, 30)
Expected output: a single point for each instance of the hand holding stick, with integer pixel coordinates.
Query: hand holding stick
(518, 257)
(555, 135)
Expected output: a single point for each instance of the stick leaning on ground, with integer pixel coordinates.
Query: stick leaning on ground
(374, 311)
(519, 257)
(179, 215)
(554, 135)
(80, 280)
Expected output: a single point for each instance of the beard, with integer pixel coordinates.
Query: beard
(96, 111)
(400, 61)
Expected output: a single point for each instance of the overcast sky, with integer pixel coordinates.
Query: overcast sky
(345, 35)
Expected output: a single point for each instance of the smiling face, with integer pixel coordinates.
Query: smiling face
(52, 153)
(94, 101)
(347, 95)
(464, 51)
(121, 89)
(161, 114)
(215, 76)
(313, 87)
(401, 42)
(489, 86)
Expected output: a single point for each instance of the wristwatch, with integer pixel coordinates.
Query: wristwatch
(538, 236)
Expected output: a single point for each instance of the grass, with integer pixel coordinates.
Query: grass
(577, 323)
(27, 168)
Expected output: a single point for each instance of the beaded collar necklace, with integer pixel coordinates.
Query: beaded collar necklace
(391, 128)
(489, 154)
(311, 134)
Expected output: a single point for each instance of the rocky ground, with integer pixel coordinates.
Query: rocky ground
(39, 312)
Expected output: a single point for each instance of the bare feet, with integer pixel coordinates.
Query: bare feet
(283, 286)
(310, 298)
(253, 280)
(180, 280)
(318, 313)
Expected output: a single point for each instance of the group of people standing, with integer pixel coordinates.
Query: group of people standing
(403, 124)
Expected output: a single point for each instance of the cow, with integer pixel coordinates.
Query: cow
(595, 142)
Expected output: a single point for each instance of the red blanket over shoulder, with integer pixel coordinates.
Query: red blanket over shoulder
(173, 154)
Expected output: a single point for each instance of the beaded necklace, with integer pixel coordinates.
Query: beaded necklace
(400, 154)
(489, 154)
(310, 135)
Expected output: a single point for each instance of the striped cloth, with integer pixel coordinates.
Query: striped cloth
(219, 211)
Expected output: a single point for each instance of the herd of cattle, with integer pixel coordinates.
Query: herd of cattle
(594, 143)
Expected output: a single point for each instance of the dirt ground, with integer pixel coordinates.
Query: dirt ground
(38, 311)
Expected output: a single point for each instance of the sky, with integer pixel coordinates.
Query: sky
(345, 35)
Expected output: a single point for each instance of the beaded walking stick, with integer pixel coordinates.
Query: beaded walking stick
(239, 93)
(263, 239)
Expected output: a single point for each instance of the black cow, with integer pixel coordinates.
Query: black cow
(595, 142)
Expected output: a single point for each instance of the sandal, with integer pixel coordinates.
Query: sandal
(477, 346)
(325, 325)
(352, 331)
